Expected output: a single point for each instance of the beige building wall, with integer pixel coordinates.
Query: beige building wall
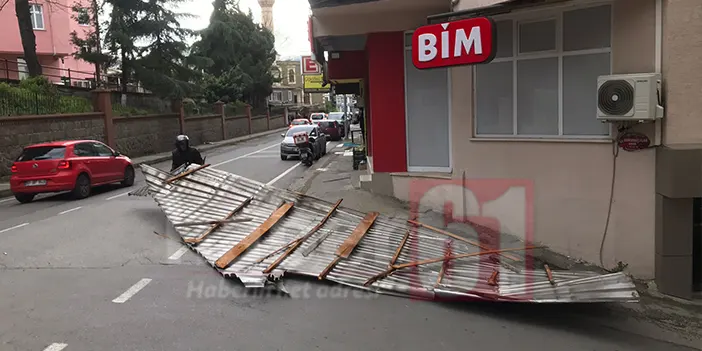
(573, 178)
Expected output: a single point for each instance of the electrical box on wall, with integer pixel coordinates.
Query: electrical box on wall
(629, 98)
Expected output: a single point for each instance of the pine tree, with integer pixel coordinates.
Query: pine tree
(242, 54)
(165, 66)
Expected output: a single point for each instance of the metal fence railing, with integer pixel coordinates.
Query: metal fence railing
(21, 102)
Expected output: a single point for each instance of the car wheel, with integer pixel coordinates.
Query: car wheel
(283, 157)
(128, 176)
(82, 188)
(24, 198)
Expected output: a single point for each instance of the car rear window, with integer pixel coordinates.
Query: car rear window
(299, 123)
(42, 153)
(306, 128)
(326, 124)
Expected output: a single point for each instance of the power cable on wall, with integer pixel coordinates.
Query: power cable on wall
(615, 154)
(622, 130)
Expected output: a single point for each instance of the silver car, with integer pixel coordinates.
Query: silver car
(288, 148)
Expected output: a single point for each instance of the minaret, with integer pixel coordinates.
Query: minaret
(267, 13)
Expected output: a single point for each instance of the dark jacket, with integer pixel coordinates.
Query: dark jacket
(191, 155)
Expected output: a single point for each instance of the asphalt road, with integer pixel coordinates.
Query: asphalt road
(92, 275)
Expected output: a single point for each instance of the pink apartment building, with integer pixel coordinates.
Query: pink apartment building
(53, 22)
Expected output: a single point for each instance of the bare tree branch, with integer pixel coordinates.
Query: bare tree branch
(3, 3)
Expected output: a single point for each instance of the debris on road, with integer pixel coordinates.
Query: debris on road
(256, 233)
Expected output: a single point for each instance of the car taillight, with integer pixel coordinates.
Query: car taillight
(14, 169)
(64, 165)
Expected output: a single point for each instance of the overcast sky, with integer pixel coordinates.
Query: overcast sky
(290, 21)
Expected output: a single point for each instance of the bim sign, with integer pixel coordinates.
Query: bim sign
(465, 42)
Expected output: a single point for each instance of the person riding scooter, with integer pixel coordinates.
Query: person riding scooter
(184, 153)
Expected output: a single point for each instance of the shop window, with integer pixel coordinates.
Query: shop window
(428, 125)
(543, 80)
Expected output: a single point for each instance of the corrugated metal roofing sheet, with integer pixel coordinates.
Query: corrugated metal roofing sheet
(210, 195)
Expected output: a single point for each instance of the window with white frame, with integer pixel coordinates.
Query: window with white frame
(291, 76)
(543, 81)
(290, 95)
(83, 16)
(36, 12)
(22, 69)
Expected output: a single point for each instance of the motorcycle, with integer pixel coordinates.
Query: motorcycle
(304, 144)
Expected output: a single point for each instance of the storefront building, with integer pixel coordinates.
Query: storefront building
(531, 114)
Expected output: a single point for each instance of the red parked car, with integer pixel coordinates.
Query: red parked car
(331, 128)
(75, 165)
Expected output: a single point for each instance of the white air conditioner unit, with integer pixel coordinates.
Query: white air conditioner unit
(629, 97)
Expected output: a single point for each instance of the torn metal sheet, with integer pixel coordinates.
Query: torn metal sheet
(317, 238)
(144, 191)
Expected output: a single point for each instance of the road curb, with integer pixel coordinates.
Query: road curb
(149, 160)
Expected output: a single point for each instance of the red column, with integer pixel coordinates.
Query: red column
(386, 90)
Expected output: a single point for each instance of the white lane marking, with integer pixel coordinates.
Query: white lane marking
(7, 200)
(55, 347)
(348, 153)
(71, 210)
(15, 227)
(246, 155)
(280, 176)
(116, 196)
(178, 254)
(265, 156)
(340, 145)
(287, 171)
(132, 291)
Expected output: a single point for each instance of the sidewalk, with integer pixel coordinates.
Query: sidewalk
(656, 316)
(165, 156)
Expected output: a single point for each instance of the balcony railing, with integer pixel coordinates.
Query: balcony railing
(15, 71)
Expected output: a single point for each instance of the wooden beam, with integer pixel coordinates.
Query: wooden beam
(216, 226)
(299, 241)
(449, 234)
(231, 255)
(329, 268)
(448, 252)
(185, 174)
(347, 246)
(399, 249)
(390, 270)
(549, 274)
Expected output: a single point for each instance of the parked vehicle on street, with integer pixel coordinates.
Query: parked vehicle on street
(299, 122)
(76, 166)
(318, 142)
(340, 117)
(332, 129)
(317, 116)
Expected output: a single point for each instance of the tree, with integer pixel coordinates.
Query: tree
(29, 43)
(242, 54)
(88, 43)
(165, 65)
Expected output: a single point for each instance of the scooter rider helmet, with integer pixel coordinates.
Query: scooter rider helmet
(182, 142)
